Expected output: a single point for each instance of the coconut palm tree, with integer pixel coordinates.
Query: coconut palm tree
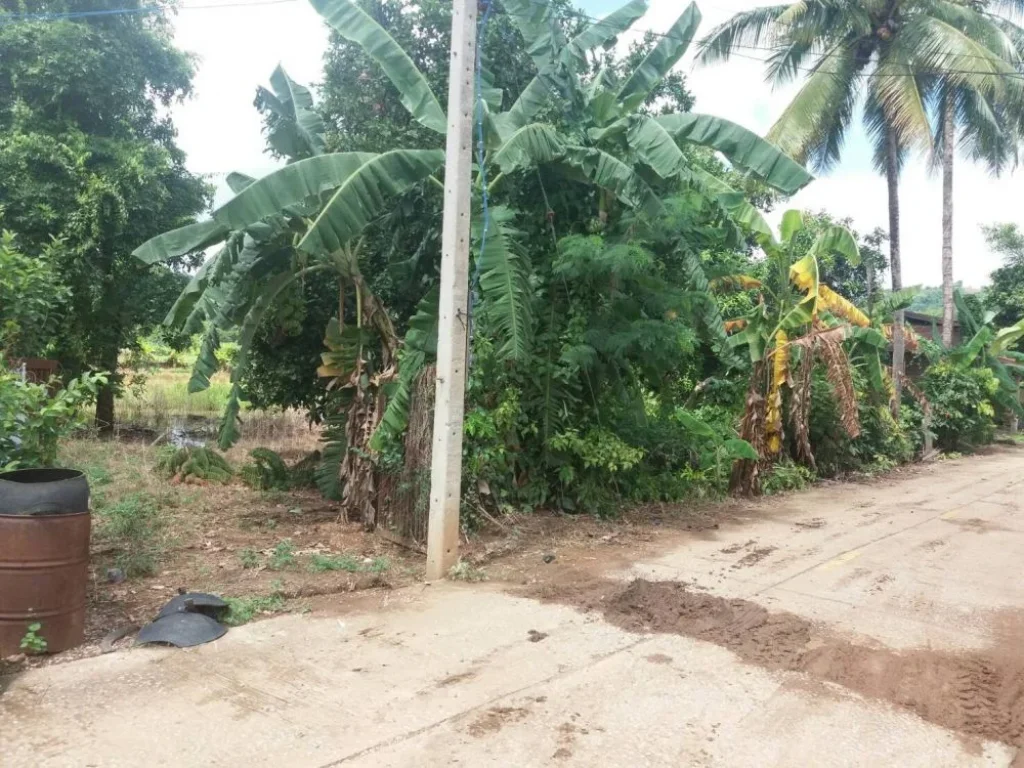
(882, 54)
(983, 119)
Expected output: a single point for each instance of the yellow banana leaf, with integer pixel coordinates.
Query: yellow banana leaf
(734, 283)
(773, 412)
(804, 275)
(841, 307)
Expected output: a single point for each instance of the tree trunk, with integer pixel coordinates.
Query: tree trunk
(105, 396)
(892, 174)
(948, 150)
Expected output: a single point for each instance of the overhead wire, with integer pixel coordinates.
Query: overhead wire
(11, 18)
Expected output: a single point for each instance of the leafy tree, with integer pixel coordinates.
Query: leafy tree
(310, 216)
(1006, 294)
(30, 294)
(88, 156)
(891, 55)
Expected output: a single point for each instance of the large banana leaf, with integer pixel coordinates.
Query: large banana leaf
(602, 31)
(736, 204)
(1006, 337)
(297, 130)
(355, 25)
(505, 286)
(419, 347)
(837, 239)
(792, 223)
(178, 242)
(742, 147)
(364, 195)
(530, 146)
(660, 60)
(538, 25)
(656, 148)
(607, 171)
(573, 56)
(290, 185)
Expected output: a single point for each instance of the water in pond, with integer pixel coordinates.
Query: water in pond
(180, 431)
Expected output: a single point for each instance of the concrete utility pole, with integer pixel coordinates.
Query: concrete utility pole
(446, 455)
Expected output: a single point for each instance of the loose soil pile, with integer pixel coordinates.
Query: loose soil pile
(978, 693)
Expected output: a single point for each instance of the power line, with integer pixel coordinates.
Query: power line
(13, 18)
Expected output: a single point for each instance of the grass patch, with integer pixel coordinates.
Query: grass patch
(242, 610)
(164, 394)
(283, 556)
(132, 527)
(324, 563)
(249, 558)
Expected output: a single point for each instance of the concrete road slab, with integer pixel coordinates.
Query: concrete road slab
(448, 674)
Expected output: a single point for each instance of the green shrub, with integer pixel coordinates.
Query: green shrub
(882, 439)
(267, 472)
(963, 416)
(33, 420)
(786, 476)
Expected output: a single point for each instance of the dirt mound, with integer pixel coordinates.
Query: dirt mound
(741, 626)
(981, 694)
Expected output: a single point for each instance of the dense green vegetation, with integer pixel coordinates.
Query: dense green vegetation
(89, 169)
(638, 330)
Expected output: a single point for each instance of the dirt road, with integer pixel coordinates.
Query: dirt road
(873, 624)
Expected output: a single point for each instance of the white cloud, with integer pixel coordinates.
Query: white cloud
(239, 48)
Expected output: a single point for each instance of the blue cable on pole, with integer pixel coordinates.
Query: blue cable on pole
(474, 283)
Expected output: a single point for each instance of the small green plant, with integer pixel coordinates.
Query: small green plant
(786, 476)
(283, 555)
(322, 563)
(463, 571)
(379, 565)
(249, 558)
(195, 462)
(266, 472)
(33, 419)
(33, 642)
(242, 610)
(132, 526)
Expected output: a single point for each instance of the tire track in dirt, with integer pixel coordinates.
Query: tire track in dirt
(976, 693)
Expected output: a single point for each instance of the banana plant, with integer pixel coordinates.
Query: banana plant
(992, 348)
(796, 320)
(608, 141)
(277, 229)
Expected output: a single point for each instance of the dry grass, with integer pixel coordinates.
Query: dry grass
(226, 539)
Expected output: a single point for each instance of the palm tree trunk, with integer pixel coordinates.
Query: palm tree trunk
(892, 173)
(948, 150)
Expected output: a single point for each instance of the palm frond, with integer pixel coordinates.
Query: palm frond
(812, 128)
(507, 299)
(756, 27)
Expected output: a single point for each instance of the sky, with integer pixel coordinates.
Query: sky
(239, 46)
